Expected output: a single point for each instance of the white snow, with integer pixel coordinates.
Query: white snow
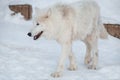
(110, 10)
(22, 58)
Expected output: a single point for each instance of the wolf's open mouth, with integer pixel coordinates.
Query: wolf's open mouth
(38, 35)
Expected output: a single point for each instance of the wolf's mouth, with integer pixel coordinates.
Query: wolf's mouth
(38, 35)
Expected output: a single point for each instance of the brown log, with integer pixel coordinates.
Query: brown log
(113, 29)
(24, 9)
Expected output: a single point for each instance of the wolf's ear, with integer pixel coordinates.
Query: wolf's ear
(49, 12)
(37, 10)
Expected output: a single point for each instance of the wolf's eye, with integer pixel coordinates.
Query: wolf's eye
(37, 24)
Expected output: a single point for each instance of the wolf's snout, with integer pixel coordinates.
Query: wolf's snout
(29, 34)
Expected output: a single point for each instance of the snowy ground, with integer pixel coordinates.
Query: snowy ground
(22, 58)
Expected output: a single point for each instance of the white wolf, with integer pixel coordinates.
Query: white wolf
(68, 22)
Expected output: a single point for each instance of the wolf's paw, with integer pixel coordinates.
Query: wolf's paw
(87, 60)
(56, 74)
(72, 67)
(92, 67)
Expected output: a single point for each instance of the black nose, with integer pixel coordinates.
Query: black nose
(29, 34)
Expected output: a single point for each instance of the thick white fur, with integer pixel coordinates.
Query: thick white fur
(68, 22)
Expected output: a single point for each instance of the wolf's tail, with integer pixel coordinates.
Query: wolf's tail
(102, 31)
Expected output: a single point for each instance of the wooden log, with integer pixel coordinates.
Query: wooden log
(113, 29)
(24, 9)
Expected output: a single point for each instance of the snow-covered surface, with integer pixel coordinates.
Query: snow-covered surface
(22, 58)
(110, 10)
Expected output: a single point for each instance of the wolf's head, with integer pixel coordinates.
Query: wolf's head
(41, 24)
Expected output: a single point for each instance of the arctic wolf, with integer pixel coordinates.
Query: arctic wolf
(68, 22)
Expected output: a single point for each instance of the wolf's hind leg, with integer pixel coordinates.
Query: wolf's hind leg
(88, 53)
(94, 53)
(91, 57)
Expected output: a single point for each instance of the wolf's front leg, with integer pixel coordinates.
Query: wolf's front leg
(73, 65)
(66, 49)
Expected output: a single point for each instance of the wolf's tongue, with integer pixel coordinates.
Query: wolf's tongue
(38, 35)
